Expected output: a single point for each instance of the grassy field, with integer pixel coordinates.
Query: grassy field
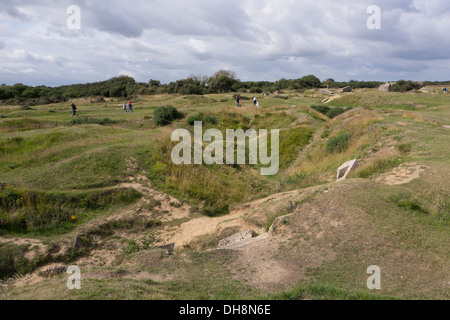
(108, 177)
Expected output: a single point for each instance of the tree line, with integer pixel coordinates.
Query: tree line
(126, 87)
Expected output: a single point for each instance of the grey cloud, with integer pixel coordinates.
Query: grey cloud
(260, 40)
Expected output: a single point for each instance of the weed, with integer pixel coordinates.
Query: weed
(145, 243)
(404, 148)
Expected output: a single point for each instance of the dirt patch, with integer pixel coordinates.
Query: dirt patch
(334, 97)
(258, 266)
(403, 174)
(238, 219)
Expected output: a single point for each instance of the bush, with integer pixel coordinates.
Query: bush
(338, 143)
(321, 109)
(404, 86)
(331, 112)
(334, 112)
(165, 115)
(211, 119)
(192, 119)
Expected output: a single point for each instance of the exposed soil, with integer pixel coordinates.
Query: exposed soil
(403, 174)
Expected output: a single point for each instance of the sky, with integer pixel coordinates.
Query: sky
(42, 43)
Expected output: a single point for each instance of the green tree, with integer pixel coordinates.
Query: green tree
(310, 81)
(223, 81)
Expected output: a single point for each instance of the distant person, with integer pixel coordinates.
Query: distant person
(130, 107)
(445, 90)
(238, 101)
(257, 103)
(125, 108)
(254, 101)
(74, 110)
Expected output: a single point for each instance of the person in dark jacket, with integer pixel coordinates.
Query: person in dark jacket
(74, 110)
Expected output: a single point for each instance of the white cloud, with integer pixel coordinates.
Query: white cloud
(259, 40)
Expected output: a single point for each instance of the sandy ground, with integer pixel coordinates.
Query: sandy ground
(403, 174)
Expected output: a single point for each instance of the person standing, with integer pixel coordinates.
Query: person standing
(257, 103)
(74, 110)
(238, 101)
(254, 101)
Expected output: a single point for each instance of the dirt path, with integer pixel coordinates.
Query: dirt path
(334, 97)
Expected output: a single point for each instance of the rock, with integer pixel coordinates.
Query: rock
(385, 87)
(346, 168)
(326, 91)
(346, 89)
(169, 248)
(78, 244)
(238, 237)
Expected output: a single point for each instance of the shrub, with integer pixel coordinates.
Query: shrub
(404, 86)
(338, 143)
(165, 115)
(192, 119)
(334, 112)
(211, 119)
(321, 109)
(331, 112)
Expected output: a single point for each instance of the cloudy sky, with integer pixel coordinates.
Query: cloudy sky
(257, 39)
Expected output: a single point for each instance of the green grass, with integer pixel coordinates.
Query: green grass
(29, 212)
(65, 172)
(326, 292)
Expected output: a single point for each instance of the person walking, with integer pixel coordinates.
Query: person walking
(130, 107)
(125, 108)
(74, 110)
